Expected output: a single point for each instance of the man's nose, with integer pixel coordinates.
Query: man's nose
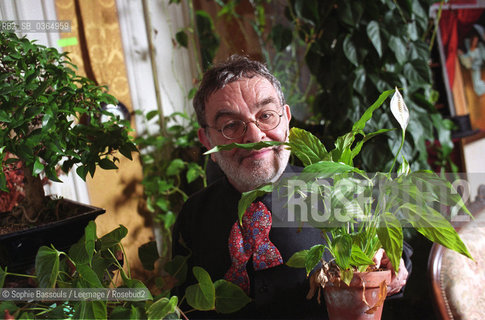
(253, 133)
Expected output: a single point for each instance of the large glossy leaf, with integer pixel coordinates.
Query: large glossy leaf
(435, 227)
(306, 147)
(47, 266)
(374, 35)
(314, 257)
(162, 307)
(229, 297)
(201, 296)
(390, 235)
(350, 51)
(398, 47)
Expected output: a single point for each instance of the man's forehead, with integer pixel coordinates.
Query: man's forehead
(258, 87)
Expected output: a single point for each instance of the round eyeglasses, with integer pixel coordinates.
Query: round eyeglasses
(266, 121)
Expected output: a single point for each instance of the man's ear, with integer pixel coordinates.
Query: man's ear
(287, 110)
(204, 139)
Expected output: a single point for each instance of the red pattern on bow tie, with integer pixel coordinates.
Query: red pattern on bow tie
(251, 239)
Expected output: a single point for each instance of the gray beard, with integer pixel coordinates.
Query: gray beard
(250, 177)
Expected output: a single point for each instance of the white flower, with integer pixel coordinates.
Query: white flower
(400, 110)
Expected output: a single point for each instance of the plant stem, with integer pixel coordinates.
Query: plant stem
(398, 152)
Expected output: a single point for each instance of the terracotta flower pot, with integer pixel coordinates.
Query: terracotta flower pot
(347, 303)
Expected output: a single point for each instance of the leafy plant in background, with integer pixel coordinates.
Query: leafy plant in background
(50, 119)
(97, 263)
(335, 57)
(356, 51)
(173, 168)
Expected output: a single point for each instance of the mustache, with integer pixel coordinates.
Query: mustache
(243, 154)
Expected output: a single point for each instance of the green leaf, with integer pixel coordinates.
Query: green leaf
(107, 164)
(435, 227)
(346, 275)
(247, 146)
(151, 114)
(175, 167)
(8, 305)
(113, 238)
(182, 38)
(349, 50)
(162, 307)
(148, 254)
(326, 169)
(3, 181)
(193, 172)
(47, 267)
(82, 171)
(314, 257)
(390, 235)
(177, 267)
(229, 297)
(143, 293)
(248, 197)
(38, 167)
(399, 48)
(306, 147)
(359, 258)
(375, 36)
(360, 124)
(3, 275)
(297, 260)
(89, 277)
(281, 36)
(342, 250)
(91, 310)
(201, 296)
(82, 251)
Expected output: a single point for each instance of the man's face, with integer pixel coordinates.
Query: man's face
(246, 100)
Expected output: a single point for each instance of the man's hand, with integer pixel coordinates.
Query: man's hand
(397, 280)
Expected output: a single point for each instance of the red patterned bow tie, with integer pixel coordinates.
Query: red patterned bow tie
(251, 239)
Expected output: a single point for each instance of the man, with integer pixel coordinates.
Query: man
(240, 101)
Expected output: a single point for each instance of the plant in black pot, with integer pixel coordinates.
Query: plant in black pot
(50, 122)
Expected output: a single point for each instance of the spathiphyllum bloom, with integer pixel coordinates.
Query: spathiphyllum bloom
(400, 110)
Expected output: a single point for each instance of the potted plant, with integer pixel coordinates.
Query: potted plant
(88, 281)
(50, 121)
(359, 212)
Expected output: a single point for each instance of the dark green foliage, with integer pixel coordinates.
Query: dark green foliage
(51, 116)
(357, 50)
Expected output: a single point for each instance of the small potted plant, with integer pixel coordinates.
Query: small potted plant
(359, 213)
(50, 121)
